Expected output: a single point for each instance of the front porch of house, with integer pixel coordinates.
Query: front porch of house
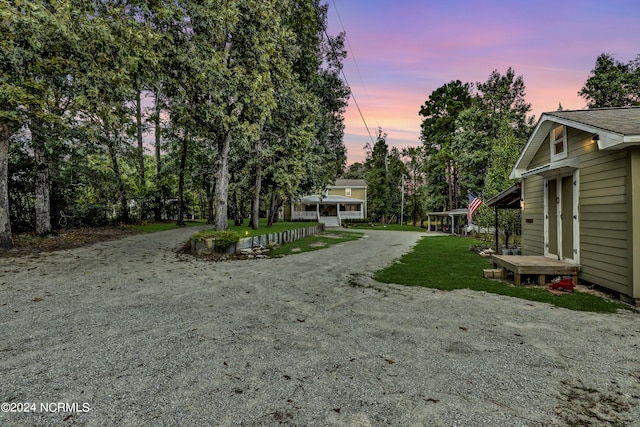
(329, 210)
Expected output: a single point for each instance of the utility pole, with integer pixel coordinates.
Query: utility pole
(402, 203)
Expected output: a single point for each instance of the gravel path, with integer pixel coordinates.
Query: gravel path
(128, 333)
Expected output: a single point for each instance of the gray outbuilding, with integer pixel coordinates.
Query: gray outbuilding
(580, 175)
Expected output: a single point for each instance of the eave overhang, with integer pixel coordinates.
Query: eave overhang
(559, 167)
(606, 140)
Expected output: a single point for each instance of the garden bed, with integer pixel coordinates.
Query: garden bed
(212, 246)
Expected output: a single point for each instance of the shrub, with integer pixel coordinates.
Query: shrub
(223, 239)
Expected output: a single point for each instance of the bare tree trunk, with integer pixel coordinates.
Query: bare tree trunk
(122, 194)
(414, 211)
(456, 190)
(273, 209)
(255, 206)
(158, 198)
(158, 139)
(139, 134)
(209, 188)
(242, 213)
(6, 238)
(237, 210)
(42, 189)
(222, 183)
(181, 172)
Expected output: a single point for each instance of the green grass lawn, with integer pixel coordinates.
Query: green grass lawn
(314, 243)
(446, 263)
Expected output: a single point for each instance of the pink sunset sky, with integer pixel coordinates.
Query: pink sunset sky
(402, 50)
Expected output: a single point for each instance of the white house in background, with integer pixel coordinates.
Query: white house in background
(346, 199)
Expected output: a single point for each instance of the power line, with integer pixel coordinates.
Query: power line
(345, 76)
(353, 57)
(358, 107)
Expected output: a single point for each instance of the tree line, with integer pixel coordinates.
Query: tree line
(243, 101)
(472, 135)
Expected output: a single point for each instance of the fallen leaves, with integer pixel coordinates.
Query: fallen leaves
(30, 244)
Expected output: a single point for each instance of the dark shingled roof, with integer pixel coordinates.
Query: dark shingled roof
(349, 183)
(508, 199)
(625, 121)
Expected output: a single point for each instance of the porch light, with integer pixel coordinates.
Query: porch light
(595, 137)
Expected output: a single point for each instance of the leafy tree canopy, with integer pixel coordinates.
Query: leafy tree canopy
(440, 112)
(612, 83)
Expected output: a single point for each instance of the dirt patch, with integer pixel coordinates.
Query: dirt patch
(586, 406)
(332, 235)
(30, 244)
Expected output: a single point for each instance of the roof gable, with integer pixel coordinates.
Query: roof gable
(349, 183)
(615, 128)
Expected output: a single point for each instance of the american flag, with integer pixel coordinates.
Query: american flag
(474, 204)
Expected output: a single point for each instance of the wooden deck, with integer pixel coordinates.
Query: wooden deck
(535, 265)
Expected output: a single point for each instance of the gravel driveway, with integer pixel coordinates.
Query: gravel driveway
(129, 333)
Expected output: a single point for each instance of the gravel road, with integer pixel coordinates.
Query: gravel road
(129, 333)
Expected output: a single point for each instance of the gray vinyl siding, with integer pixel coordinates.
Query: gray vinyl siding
(533, 189)
(603, 213)
(602, 209)
(533, 231)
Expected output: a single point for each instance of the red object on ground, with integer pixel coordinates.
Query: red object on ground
(566, 284)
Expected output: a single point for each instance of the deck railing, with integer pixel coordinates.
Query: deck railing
(304, 215)
(351, 215)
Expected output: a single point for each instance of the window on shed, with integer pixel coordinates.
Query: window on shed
(558, 139)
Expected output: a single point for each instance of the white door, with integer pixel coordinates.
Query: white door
(561, 218)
